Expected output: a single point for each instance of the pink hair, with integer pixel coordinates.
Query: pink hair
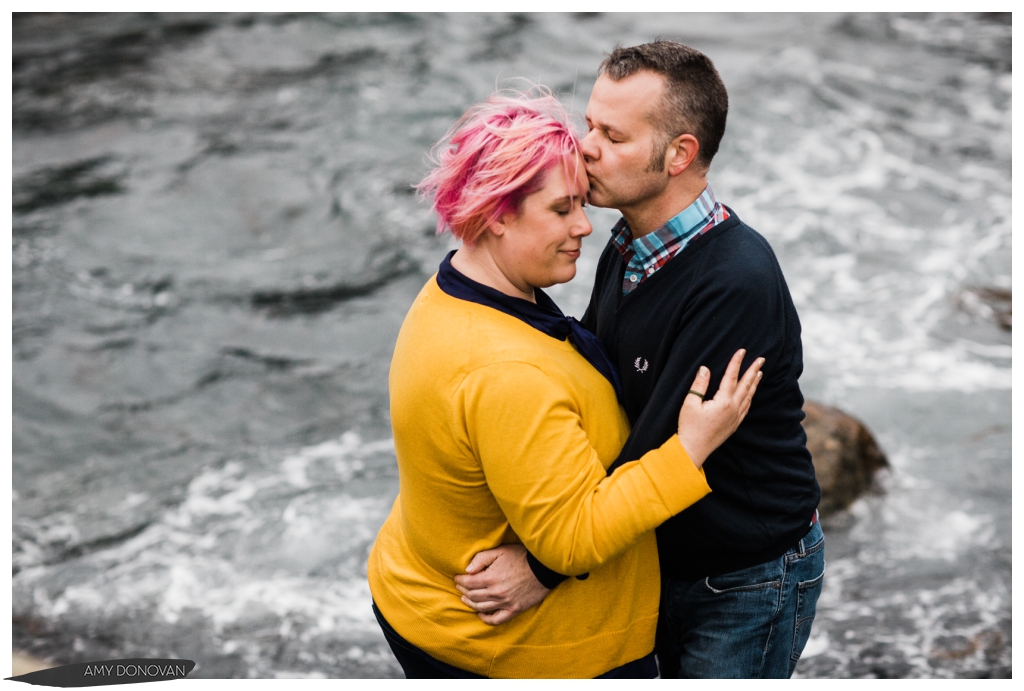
(496, 155)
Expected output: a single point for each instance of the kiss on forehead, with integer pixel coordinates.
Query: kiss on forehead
(547, 464)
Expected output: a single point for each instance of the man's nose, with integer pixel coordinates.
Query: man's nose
(589, 148)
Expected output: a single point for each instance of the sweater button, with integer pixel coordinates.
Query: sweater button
(632, 279)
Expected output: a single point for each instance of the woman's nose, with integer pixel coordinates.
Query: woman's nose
(582, 227)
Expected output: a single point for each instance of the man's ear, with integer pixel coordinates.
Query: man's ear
(682, 153)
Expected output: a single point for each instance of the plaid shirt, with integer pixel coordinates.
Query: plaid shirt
(647, 254)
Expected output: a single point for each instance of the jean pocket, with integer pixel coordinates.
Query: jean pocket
(760, 577)
(807, 593)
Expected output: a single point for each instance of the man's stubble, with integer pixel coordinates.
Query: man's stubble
(634, 189)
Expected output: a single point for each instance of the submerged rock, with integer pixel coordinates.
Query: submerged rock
(988, 302)
(846, 455)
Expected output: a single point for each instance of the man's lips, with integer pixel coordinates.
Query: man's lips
(575, 254)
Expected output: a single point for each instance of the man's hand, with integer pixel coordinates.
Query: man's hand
(499, 584)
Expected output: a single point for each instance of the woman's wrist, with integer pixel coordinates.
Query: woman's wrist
(693, 449)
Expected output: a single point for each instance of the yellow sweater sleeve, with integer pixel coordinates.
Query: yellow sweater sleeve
(548, 480)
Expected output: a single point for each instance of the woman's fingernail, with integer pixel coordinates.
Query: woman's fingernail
(703, 371)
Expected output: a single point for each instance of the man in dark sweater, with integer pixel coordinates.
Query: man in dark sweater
(683, 282)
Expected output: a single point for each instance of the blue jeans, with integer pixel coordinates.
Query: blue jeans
(748, 624)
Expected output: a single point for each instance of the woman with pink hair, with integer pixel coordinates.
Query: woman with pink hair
(505, 416)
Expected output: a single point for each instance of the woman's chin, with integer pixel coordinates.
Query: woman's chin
(563, 276)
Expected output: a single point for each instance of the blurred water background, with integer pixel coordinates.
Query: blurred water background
(215, 242)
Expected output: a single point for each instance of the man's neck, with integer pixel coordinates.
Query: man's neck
(652, 214)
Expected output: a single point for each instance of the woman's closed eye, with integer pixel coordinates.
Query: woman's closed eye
(563, 207)
(566, 209)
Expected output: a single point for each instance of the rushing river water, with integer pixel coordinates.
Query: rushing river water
(215, 242)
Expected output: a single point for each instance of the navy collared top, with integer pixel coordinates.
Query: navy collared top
(545, 316)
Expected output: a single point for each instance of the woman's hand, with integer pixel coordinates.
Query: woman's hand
(704, 425)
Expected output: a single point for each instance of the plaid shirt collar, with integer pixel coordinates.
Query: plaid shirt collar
(647, 254)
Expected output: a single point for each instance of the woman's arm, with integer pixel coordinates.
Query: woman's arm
(508, 587)
(547, 478)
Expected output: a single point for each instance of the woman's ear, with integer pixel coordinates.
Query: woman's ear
(499, 226)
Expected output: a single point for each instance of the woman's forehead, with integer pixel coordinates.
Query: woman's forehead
(566, 178)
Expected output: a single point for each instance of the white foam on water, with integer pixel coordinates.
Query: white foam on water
(870, 606)
(822, 171)
(873, 303)
(915, 519)
(913, 625)
(189, 560)
(932, 532)
(871, 306)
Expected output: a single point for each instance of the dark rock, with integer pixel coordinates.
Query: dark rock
(989, 303)
(846, 455)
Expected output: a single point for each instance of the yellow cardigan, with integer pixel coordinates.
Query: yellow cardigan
(503, 435)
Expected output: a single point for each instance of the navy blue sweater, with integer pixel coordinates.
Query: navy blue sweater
(722, 292)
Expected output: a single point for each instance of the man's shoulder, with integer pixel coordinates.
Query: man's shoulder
(738, 236)
(739, 255)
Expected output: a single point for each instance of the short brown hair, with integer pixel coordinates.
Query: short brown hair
(694, 102)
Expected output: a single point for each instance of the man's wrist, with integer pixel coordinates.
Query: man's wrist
(547, 577)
